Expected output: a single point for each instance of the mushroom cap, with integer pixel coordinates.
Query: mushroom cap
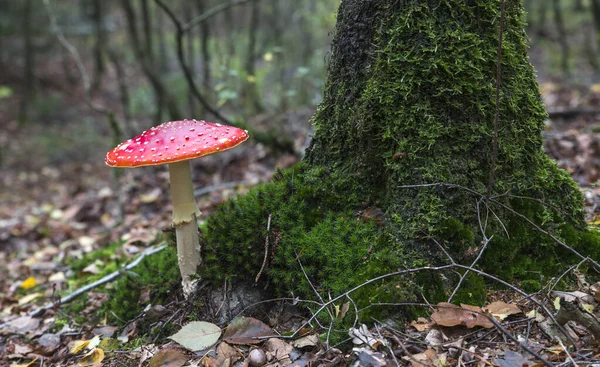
(173, 142)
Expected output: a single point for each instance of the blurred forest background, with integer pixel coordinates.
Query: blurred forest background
(79, 76)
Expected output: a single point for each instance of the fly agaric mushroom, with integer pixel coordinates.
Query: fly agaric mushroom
(174, 143)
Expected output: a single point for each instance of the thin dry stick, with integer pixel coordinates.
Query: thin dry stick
(388, 347)
(539, 229)
(567, 352)
(189, 75)
(319, 296)
(210, 13)
(535, 226)
(516, 341)
(497, 111)
(485, 244)
(109, 278)
(266, 250)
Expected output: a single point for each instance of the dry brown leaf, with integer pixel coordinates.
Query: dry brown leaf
(310, 340)
(169, 357)
(466, 315)
(502, 310)
(421, 324)
(278, 349)
(226, 352)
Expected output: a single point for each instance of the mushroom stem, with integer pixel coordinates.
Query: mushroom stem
(184, 220)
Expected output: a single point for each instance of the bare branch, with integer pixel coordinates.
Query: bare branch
(189, 75)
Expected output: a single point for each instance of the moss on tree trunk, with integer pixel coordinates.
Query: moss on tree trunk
(410, 101)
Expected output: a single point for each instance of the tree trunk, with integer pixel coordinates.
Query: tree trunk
(147, 65)
(204, 33)
(29, 64)
(99, 64)
(398, 171)
(562, 36)
(251, 95)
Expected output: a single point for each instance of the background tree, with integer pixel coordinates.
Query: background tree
(428, 140)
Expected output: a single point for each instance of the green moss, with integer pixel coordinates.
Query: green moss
(159, 273)
(472, 291)
(409, 104)
(531, 286)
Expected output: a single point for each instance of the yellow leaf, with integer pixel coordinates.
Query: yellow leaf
(24, 365)
(95, 356)
(251, 79)
(28, 283)
(268, 57)
(78, 345)
(586, 306)
(28, 298)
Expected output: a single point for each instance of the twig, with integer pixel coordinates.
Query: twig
(535, 226)
(539, 229)
(388, 347)
(516, 341)
(109, 278)
(189, 75)
(266, 250)
(485, 244)
(490, 187)
(567, 352)
(210, 13)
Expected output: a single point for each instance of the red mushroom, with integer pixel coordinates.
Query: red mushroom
(174, 143)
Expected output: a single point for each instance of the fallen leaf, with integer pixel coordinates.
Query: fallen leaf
(227, 352)
(535, 314)
(197, 335)
(362, 335)
(57, 277)
(78, 345)
(310, 340)
(105, 331)
(169, 357)
(502, 310)
(91, 269)
(512, 359)
(151, 196)
(466, 315)
(50, 341)
(94, 356)
(28, 298)
(24, 324)
(279, 350)
(29, 283)
(421, 324)
(246, 330)
(24, 365)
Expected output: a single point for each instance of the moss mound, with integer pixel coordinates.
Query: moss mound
(401, 156)
(158, 274)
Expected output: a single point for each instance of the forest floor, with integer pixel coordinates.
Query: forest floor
(60, 208)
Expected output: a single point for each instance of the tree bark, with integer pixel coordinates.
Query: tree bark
(205, 57)
(251, 95)
(562, 36)
(100, 44)
(397, 173)
(153, 75)
(29, 63)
